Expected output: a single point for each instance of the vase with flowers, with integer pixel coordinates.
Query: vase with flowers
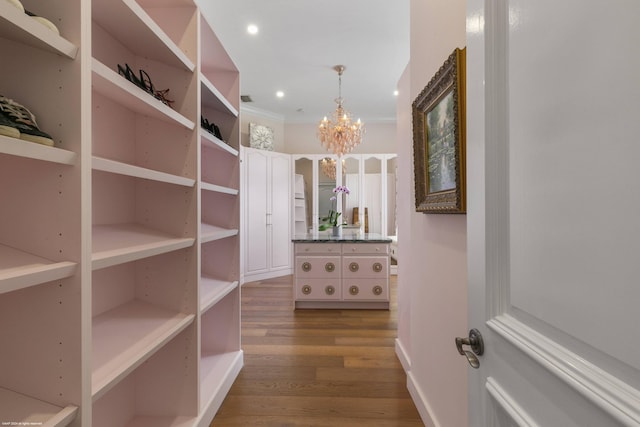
(333, 219)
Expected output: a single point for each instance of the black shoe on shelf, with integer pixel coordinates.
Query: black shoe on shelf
(21, 119)
(7, 127)
(212, 128)
(144, 83)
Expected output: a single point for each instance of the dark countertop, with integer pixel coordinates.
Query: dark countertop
(324, 237)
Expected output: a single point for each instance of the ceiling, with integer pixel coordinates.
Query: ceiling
(298, 44)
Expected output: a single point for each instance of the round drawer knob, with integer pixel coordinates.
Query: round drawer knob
(306, 289)
(353, 290)
(353, 249)
(330, 290)
(377, 267)
(306, 266)
(377, 290)
(329, 267)
(353, 267)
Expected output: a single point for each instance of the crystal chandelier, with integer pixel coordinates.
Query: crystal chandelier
(339, 134)
(329, 167)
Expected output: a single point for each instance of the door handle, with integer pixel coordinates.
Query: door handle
(477, 347)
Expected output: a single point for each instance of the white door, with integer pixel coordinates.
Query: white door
(256, 165)
(553, 152)
(280, 212)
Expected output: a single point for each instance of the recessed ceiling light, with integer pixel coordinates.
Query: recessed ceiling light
(252, 29)
(395, 93)
(280, 94)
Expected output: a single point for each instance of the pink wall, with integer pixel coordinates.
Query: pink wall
(433, 250)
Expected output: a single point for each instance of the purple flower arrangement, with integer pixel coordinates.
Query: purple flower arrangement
(332, 219)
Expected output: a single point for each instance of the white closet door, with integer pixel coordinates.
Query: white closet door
(256, 211)
(280, 213)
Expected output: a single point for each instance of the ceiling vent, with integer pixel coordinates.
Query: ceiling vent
(246, 98)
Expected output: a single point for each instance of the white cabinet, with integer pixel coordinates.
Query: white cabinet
(123, 237)
(267, 210)
(336, 273)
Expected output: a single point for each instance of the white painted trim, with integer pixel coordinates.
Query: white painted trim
(424, 409)
(509, 404)
(610, 394)
(403, 356)
(254, 277)
(261, 113)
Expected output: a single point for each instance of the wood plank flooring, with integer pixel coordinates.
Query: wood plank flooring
(316, 367)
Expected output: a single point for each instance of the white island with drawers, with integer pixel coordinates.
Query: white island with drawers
(341, 272)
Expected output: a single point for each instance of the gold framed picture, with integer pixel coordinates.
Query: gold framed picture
(439, 140)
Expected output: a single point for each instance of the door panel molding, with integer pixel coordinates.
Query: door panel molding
(615, 397)
(510, 406)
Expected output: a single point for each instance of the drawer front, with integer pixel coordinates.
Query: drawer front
(318, 289)
(365, 248)
(317, 267)
(365, 266)
(317, 248)
(365, 289)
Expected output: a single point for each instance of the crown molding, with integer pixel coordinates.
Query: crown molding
(261, 113)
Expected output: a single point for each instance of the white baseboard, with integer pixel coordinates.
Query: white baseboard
(268, 275)
(403, 356)
(424, 409)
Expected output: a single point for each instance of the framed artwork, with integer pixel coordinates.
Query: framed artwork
(439, 140)
(260, 136)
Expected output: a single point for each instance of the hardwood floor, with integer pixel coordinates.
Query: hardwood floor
(316, 367)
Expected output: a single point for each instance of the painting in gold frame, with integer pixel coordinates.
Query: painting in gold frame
(439, 140)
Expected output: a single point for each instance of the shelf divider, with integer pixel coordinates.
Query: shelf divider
(18, 26)
(211, 141)
(24, 410)
(213, 290)
(119, 243)
(210, 232)
(218, 189)
(31, 150)
(142, 34)
(113, 86)
(20, 269)
(107, 165)
(123, 338)
(212, 97)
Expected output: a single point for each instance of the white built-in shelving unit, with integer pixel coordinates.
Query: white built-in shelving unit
(300, 206)
(119, 247)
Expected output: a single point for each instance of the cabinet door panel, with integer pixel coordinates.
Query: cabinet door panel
(318, 289)
(365, 289)
(256, 211)
(280, 218)
(318, 248)
(365, 248)
(317, 267)
(365, 266)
